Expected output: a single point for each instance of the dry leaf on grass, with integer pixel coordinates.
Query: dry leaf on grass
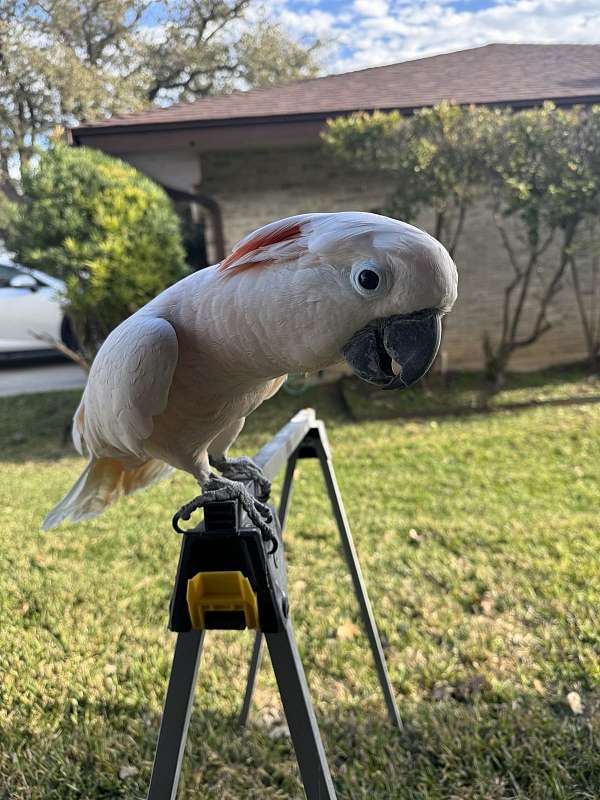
(415, 536)
(574, 702)
(347, 630)
(127, 772)
(486, 605)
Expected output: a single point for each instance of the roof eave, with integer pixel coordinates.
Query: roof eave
(81, 131)
(221, 122)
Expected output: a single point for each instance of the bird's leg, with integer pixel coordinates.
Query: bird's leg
(216, 488)
(237, 469)
(242, 469)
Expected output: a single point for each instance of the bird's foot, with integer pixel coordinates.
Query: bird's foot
(244, 469)
(218, 489)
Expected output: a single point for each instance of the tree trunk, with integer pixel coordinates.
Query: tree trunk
(586, 323)
(496, 361)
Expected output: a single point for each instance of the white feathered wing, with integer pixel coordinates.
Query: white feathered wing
(131, 377)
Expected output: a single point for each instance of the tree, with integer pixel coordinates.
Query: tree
(434, 157)
(270, 57)
(7, 213)
(580, 204)
(64, 61)
(105, 229)
(541, 178)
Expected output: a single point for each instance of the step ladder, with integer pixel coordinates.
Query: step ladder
(229, 577)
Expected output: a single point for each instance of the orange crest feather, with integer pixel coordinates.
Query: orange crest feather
(257, 242)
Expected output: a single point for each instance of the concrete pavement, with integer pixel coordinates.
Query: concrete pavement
(40, 377)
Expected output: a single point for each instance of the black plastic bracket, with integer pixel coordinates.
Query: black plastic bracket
(217, 545)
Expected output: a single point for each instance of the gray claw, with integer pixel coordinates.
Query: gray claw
(263, 510)
(224, 489)
(244, 469)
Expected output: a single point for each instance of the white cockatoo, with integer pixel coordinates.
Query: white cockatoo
(172, 385)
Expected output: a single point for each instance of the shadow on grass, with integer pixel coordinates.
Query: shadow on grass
(476, 751)
(460, 394)
(37, 427)
(465, 411)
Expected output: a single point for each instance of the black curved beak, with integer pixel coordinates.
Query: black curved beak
(410, 340)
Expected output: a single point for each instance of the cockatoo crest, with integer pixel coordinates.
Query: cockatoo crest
(265, 246)
(291, 238)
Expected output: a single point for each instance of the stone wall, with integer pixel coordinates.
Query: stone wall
(256, 187)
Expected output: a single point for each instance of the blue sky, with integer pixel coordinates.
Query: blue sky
(364, 33)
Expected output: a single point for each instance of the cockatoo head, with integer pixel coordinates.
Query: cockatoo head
(351, 285)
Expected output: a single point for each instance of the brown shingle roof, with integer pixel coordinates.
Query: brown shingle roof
(495, 73)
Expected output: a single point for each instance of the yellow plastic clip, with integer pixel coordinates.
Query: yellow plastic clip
(221, 592)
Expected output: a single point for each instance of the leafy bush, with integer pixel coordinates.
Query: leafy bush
(105, 229)
(7, 215)
(434, 157)
(538, 169)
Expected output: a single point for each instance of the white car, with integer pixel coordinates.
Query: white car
(30, 303)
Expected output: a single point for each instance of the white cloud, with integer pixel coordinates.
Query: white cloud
(371, 8)
(371, 32)
(315, 22)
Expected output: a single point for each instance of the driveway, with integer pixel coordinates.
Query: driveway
(40, 377)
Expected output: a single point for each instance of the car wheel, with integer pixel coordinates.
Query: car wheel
(68, 336)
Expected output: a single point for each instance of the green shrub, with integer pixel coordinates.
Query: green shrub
(7, 217)
(105, 229)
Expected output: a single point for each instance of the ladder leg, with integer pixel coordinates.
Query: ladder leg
(255, 662)
(257, 649)
(286, 489)
(359, 585)
(300, 715)
(176, 716)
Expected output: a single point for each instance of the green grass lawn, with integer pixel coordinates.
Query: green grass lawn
(479, 540)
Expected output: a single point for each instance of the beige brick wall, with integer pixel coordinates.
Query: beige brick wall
(256, 187)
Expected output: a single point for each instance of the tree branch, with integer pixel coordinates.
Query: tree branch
(61, 347)
(462, 213)
(587, 330)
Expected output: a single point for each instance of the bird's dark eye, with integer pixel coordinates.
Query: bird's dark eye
(368, 279)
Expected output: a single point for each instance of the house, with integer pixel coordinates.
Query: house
(241, 160)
